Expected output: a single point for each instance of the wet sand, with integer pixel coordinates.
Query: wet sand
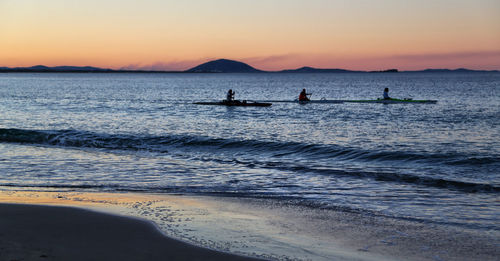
(34, 232)
(263, 228)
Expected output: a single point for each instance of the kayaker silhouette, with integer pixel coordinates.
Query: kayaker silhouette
(386, 94)
(230, 95)
(303, 95)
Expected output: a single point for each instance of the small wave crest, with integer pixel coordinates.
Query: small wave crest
(402, 178)
(427, 181)
(275, 149)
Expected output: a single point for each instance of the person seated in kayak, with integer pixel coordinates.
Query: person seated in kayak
(230, 96)
(303, 95)
(386, 94)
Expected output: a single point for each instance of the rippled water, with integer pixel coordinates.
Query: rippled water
(140, 132)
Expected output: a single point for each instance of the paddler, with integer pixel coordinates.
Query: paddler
(303, 95)
(230, 95)
(386, 94)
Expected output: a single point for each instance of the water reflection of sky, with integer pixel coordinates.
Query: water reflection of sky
(343, 154)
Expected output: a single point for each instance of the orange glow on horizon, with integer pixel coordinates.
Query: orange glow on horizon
(164, 35)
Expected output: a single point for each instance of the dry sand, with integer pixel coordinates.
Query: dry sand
(33, 232)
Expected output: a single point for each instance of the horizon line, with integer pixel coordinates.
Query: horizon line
(146, 69)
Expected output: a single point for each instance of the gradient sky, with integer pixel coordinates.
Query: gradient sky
(267, 34)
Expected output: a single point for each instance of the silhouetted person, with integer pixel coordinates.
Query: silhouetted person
(230, 95)
(303, 95)
(386, 94)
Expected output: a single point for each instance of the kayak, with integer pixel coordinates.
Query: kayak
(390, 101)
(306, 102)
(236, 103)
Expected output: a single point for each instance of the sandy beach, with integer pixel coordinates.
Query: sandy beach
(34, 232)
(37, 225)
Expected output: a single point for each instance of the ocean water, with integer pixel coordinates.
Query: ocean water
(433, 163)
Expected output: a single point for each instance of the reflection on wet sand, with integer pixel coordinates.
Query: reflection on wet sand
(278, 230)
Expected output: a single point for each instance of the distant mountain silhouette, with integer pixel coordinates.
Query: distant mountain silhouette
(386, 71)
(43, 68)
(307, 69)
(223, 66)
(459, 70)
(75, 68)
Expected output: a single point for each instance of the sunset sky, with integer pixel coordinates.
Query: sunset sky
(267, 34)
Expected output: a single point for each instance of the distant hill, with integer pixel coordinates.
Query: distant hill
(75, 68)
(43, 68)
(223, 66)
(460, 70)
(316, 70)
(386, 71)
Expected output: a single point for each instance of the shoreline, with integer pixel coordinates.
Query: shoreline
(34, 232)
(275, 230)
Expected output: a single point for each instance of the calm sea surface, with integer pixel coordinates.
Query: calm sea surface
(437, 163)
